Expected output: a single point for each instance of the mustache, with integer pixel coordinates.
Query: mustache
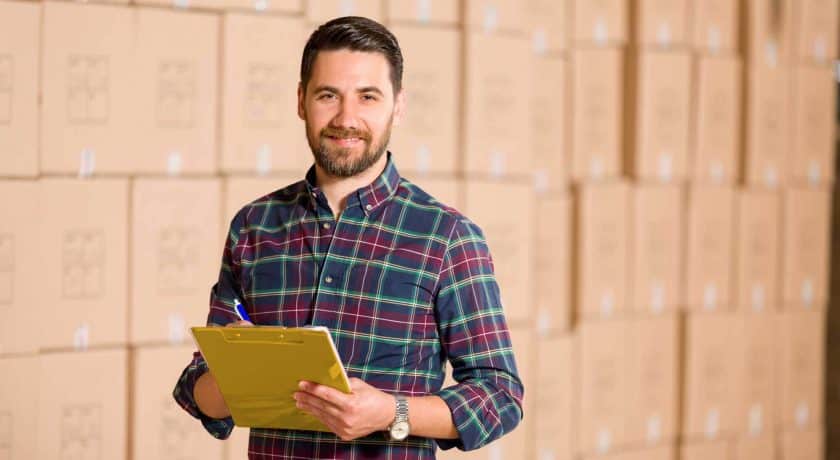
(344, 133)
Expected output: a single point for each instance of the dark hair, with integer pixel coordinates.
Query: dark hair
(353, 33)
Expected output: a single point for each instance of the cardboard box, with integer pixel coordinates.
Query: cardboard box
(426, 140)
(654, 386)
(259, 6)
(601, 244)
(236, 446)
(767, 34)
(709, 253)
(706, 450)
(494, 16)
(87, 96)
(600, 22)
(175, 253)
(803, 445)
(84, 290)
(239, 191)
(815, 30)
(758, 367)
(715, 26)
(20, 272)
(553, 263)
(802, 369)
(749, 448)
(814, 110)
(806, 246)
(662, 23)
(444, 190)
(323, 10)
(656, 254)
(426, 12)
(497, 109)
(597, 92)
(18, 407)
(716, 137)
(175, 106)
(20, 35)
(505, 232)
(758, 249)
(767, 126)
(548, 24)
(82, 405)
(666, 452)
(552, 392)
(159, 427)
(659, 91)
(261, 131)
(549, 124)
(712, 367)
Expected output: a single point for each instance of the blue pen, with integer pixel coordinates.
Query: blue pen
(240, 310)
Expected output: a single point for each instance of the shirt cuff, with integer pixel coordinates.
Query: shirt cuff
(183, 394)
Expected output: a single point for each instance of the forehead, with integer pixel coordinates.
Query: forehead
(350, 67)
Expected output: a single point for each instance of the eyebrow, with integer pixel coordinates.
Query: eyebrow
(364, 89)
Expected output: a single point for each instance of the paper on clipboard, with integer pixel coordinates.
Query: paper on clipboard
(258, 370)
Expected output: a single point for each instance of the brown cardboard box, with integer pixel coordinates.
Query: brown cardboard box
(815, 30)
(236, 446)
(549, 124)
(806, 233)
(758, 367)
(767, 126)
(446, 190)
(768, 31)
(660, 22)
(505, 231)
(603, 21)
(324, 10)
(239, 191)
(19, 270)
(553, 263)
(260, 6)
(712, 367)
(175, 253)
(597, 88)
(82, 405)
(548, 23)
(666, 452)
(706, 450)
(604, 371)
(497, 107)
(715, 25)
(660, 94)
(601, 245)
(18, 407)
(494, 16)
(174, 107)
(654, 391)
(159, 427)
(84, 290)
(427, 12)
(709, 259)
(814, 109)
(803, 445)
(87, 94)
(802, 369)
(656, 254)
(758, 249)
(260, 73)
(552, 390)
(749, 448)
(426, 141)
(716, 137)
(20, 35)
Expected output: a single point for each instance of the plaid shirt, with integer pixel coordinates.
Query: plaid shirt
(403, 282)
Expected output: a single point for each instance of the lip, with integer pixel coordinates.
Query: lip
(345, 141)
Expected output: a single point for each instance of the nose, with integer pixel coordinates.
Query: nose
(347, 115)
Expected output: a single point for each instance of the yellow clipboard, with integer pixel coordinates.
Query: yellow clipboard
(258, 369)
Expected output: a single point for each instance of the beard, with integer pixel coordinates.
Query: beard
(340, 162)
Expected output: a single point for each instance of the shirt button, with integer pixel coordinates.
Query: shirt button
(368, 207)
(326, 225)
(328, 279)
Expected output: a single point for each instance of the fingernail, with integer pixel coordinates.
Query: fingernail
(302, 385)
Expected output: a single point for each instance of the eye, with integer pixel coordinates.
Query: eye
(369, 97)
(325, 96)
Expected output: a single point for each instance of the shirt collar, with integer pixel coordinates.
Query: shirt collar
(369, 197)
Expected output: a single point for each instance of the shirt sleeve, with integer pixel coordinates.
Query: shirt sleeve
(221, 313)
(486, 403)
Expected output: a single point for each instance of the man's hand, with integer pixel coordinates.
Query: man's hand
(350, 416)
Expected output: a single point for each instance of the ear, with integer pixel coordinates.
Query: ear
(300, 106)
(399, 107)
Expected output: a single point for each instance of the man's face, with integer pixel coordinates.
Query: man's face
(349, 108)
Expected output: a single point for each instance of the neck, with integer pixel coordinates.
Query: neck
(337, 189)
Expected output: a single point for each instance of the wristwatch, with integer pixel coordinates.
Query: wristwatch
(400, 428)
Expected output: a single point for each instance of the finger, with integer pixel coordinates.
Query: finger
(318, 403)
(326, 393)
(357, 384)
(239, 323)
(318, 413)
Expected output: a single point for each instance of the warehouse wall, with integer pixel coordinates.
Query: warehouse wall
(654, 178)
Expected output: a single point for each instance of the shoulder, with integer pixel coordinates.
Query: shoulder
(453, 224)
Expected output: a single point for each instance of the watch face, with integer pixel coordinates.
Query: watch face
(399, 431)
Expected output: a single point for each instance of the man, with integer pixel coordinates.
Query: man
(403, 282)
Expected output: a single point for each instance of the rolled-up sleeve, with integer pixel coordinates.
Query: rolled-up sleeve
(221, 313)
(486, 403)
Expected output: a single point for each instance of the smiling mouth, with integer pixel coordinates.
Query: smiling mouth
(345, 141)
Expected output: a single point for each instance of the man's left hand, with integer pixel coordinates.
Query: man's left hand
(350, 416)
